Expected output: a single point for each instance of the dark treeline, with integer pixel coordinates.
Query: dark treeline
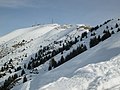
(8, 84)
(41, 57)
(69, 56)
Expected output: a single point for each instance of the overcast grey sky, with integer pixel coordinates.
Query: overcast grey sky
(16, 14)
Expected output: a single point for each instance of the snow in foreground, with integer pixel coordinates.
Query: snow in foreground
(75, 75)
(101, 76)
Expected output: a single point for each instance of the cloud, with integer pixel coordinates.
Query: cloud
(16, 3)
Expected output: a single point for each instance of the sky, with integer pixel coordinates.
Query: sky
(16, 14)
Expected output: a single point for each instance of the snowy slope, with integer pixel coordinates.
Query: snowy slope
(100, 76)
(80, 73)
(21, 44)
(83, 72)
(74, 76)
(28, 41)
(15, 45)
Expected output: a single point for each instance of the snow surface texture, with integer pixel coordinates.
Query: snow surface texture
(100, 76)
(96, 76)
(95, 69)
(22, 44)
(33, 37)
(80, 73)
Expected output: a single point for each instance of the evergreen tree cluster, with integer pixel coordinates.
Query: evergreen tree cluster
(84, 35)
(93, 34)
(106, 35)
(94, 28)
(41, 58)
(8, 82)
(72, 54)
(18, 68)
(106, 22)
(7, 66)
(94, 41)
(11, 79)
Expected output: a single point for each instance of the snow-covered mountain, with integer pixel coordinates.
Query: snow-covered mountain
(56, 57)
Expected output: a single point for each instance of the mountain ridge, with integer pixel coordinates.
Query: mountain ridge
(56, 53)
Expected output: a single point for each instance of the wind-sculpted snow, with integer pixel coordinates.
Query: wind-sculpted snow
(100, 76)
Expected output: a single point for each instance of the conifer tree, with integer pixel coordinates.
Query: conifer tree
(22, 72)
(118, 30)
(24, 79)
(116, 26)
(62, 59)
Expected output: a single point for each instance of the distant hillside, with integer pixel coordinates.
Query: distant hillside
(43, 57)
